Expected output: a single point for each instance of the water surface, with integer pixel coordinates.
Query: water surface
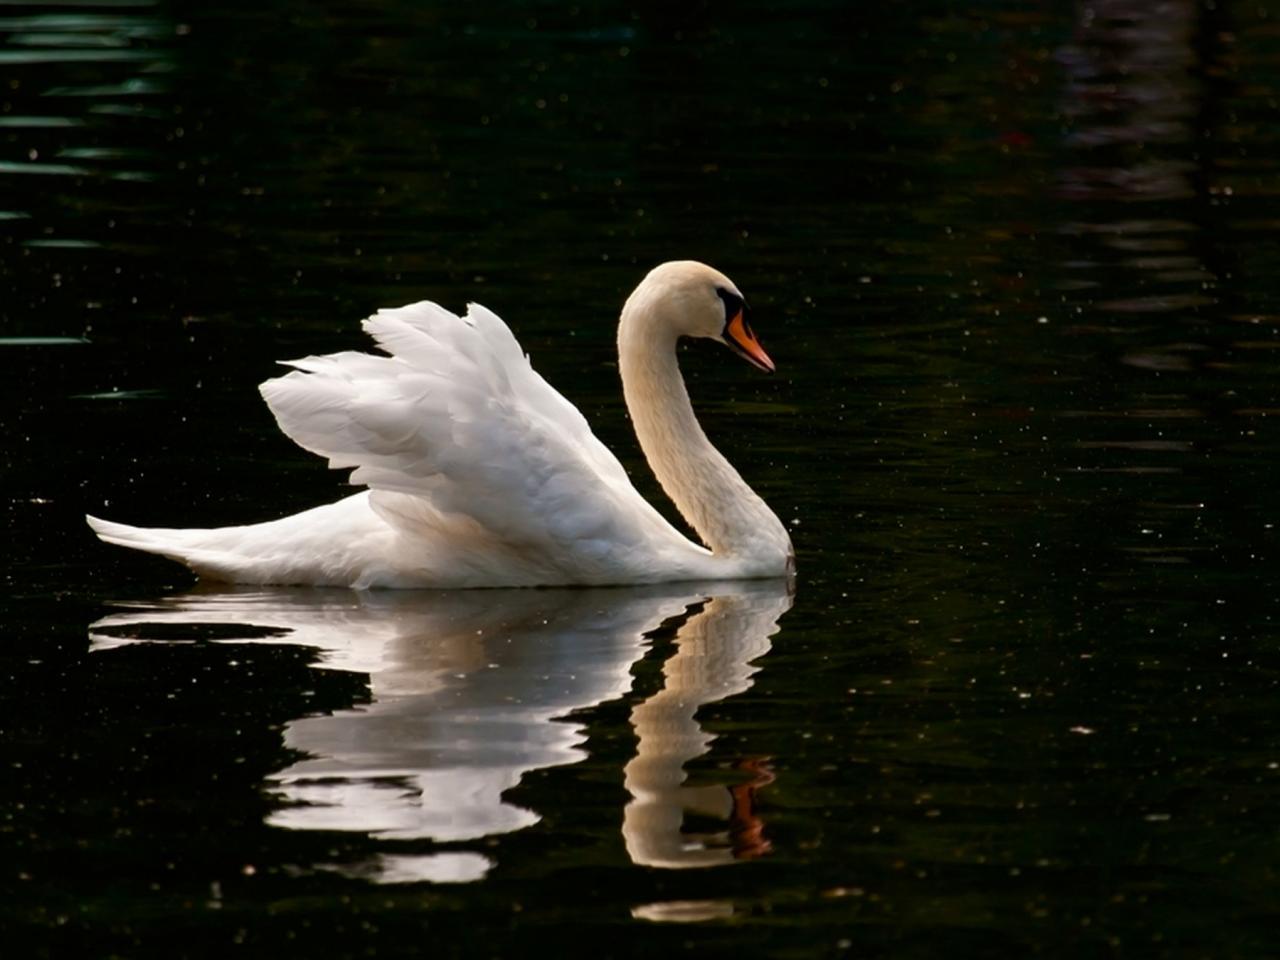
(1018, 268)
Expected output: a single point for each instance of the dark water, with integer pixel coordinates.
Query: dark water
(1019, 265)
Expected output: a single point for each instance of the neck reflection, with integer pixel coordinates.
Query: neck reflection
(714, 650)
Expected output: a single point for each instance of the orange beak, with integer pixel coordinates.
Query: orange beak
(737, 334)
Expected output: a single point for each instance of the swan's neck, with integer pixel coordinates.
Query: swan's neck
(709, 493)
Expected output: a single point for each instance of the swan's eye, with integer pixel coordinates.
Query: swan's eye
(733, 304)
(738, 333)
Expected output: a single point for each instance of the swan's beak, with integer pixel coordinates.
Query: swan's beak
(738, 335)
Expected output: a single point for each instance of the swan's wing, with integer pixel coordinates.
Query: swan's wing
(456, 431)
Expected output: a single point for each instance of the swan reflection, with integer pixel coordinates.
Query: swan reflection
(470, 691)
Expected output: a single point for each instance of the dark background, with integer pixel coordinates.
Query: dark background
(1017, 263)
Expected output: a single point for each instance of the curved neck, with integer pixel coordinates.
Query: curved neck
(709, 493)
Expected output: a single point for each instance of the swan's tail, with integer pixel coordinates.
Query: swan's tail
(190, 547)
(339, 544)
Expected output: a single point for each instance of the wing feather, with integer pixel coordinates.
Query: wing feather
(455, 416)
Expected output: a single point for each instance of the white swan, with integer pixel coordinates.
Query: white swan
(480, 474)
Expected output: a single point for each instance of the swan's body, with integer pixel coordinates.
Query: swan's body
(480, 474)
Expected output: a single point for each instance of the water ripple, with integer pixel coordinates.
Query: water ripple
(13, 57)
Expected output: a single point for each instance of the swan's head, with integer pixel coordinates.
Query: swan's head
(684, 298)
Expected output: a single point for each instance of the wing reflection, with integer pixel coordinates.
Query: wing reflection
(466, 691)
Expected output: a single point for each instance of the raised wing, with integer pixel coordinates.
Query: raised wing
(455, 429)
